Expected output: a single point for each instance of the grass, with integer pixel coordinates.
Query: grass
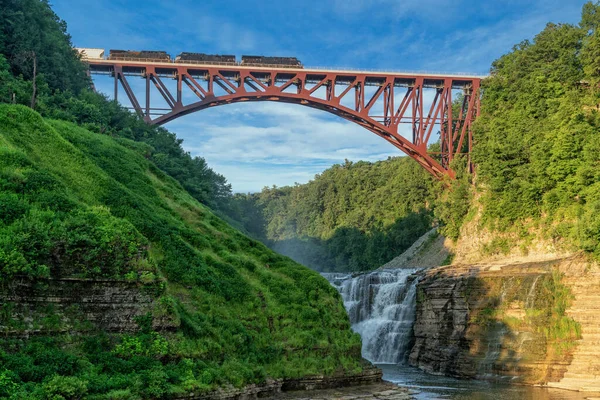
(74, 203)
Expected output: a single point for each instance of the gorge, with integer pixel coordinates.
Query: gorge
(130, 270)
(496, 323)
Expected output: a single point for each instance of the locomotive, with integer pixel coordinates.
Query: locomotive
(90, 54)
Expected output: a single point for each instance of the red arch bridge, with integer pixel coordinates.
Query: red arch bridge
(408, 110)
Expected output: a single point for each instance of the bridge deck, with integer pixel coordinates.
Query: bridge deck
(344, 76)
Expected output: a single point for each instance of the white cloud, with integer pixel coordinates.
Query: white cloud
(290, 144)
(394, 9)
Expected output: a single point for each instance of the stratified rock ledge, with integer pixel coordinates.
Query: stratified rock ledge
(367, 384)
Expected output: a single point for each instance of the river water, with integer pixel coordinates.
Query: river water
(429, 387)
(381, 306)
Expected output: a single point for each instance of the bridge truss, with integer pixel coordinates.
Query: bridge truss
(434, 107)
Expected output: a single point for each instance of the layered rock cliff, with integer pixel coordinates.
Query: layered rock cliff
(583, 373)
(76, 306)
(496, 321)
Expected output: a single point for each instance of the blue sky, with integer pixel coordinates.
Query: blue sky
(261, 144)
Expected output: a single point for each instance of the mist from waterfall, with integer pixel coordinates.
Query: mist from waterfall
(381, 306)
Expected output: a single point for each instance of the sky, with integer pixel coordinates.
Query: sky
(267, 143)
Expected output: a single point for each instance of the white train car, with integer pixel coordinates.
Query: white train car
(90, 54)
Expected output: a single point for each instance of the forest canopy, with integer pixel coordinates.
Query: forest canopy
(537, 146)
(32, 35)
(351, 217)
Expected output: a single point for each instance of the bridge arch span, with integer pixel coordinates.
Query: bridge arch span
(379, 102)
(429, 163)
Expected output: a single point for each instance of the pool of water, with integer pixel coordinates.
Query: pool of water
(430, 387)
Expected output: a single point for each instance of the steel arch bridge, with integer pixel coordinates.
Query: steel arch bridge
(381, 102)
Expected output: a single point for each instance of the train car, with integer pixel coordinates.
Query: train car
(117, 54)
(144, 55)
(155, 55)
(286, 62)
(90, 54)
(200, 58)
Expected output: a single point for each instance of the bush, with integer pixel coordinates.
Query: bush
(64, 388)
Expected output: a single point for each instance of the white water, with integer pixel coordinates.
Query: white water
(529, 302)
(381, 306)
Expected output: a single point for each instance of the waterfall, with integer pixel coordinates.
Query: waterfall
(529, 301)
(381, 306)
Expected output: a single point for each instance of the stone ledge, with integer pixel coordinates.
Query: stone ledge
(369, 381)
(80, 304)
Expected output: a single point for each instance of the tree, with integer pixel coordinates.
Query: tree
(30, 57)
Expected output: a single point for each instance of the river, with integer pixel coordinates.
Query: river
(381, 306)
(429, 387)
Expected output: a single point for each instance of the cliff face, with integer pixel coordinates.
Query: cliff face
(76, 306)
(495, 321)
(583, 373)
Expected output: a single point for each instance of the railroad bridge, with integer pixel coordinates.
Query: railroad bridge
(381, 102)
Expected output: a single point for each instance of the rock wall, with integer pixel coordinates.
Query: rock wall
(583, 373)
(493, 322)
(74, 305)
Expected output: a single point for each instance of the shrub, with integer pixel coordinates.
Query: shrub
(64, 388)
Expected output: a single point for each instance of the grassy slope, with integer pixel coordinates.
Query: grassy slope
(243, 311)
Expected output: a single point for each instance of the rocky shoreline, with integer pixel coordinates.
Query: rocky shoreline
(381, 390)
(273, 390)
(367, 384)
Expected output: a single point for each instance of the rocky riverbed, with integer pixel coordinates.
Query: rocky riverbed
(383, 390)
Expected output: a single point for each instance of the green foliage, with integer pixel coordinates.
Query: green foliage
(12, 89)
(64, 388)
(7, 383)
(97, 114)
(352, 217)
(546, 313)
(590, 52)
(76, 203)
(45, 231)
(91, 191)
(30, 27)
(148, 345)
(453, 201)
(537, 138)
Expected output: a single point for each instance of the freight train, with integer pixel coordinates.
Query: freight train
(189, 58)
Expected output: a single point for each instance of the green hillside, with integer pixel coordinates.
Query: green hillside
(78, 204)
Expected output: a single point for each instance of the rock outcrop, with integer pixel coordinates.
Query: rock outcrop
(493, 322)
(583, 373)
(430, 250)
(367, 384)
(75, 305)
(80, 306)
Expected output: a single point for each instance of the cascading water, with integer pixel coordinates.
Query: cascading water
(381, 306)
